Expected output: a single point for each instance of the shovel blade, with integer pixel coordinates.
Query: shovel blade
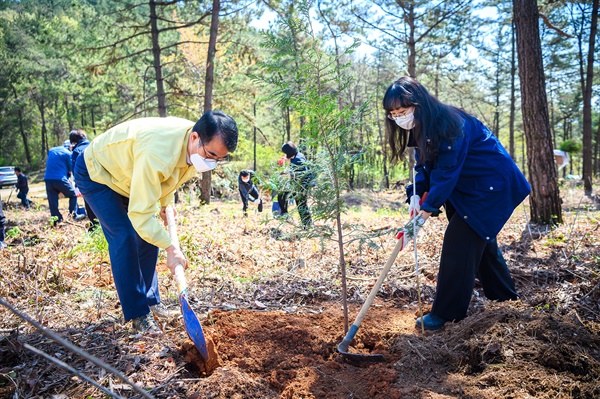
(357, 357)
(192, 326)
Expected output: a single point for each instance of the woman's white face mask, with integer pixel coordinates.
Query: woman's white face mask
(202, 164)
(406, 122)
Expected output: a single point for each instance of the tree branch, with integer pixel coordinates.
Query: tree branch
(51, 334)
(554, 28)
(71, 370)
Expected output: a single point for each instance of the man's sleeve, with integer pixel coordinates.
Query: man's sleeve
(148, 173)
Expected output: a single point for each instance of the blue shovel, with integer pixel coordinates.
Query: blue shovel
(190, 320)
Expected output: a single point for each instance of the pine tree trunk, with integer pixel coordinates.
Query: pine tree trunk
(208, 88)
(544, 198)
(513, 73)
(587, 105)
(156, 50)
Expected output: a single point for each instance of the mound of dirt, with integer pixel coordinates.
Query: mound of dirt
(550, 355)
(295, 356)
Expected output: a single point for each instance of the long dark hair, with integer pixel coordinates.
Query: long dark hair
(434, 120)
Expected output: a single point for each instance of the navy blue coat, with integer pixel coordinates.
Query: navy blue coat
(477, 176)
(78, 150)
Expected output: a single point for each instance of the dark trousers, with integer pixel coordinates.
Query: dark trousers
(133, 260)
(2, 222)
(91, 216)
(22, 195)
(301, 204)
(466, 255)
(252, 193)
(53, 188)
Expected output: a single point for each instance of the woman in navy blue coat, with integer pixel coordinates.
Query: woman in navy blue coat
(465, 169)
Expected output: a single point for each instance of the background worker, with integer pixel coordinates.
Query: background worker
(23, 187)
(248, 190)
(464, 168)
(79, 142)
(59, 168)
(124, 174)
(2, 226)
(301, 181)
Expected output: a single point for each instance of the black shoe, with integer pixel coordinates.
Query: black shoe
(260, 206)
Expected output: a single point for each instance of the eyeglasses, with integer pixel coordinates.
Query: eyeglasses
(209, 155)
(392, 115)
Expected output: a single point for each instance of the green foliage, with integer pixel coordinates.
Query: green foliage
(13, 233)
(570, 146)
(93, 242)
(309, 80)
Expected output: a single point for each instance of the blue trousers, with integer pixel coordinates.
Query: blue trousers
(53, 188)
(133, 260)
(466, 255)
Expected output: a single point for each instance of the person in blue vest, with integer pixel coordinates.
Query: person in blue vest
(59, 168)
(79, 142)
(23, 187)
(464, 168)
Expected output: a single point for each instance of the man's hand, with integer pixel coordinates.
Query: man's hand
(175, 257)
(256, 201)
(163, 214)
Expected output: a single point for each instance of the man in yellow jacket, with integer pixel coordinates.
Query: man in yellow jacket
(123, 175)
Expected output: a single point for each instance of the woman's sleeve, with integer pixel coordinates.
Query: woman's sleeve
(445, 174)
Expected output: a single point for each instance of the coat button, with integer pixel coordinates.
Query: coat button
(491, 188)
(449, 147)
(487, 238)
(466, 217)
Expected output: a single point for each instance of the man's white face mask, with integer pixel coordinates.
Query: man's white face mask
(406, 122)
(246, 179)
(202, 164)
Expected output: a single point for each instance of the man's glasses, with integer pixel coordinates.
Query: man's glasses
(209, 155)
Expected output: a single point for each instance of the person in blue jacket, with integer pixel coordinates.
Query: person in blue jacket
(79, 142)
(464, 168)
(59, 168)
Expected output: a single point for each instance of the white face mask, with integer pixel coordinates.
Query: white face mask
(406, 122)
(201, 164)
(245, 179)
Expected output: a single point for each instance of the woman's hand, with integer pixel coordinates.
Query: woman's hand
(175, 257)
(163, 214)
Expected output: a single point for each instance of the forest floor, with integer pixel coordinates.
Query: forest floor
(271, 303)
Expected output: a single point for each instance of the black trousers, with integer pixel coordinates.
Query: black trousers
(466, 255)
(301, 203)
(253, 192)
(2, 222)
